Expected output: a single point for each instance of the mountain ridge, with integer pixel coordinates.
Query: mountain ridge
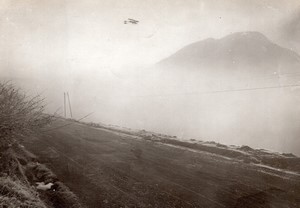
(236, 51)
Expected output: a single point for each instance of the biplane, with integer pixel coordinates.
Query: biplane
(132, 21)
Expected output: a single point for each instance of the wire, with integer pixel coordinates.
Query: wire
(222, 91)
(251, 79)
(59, 127)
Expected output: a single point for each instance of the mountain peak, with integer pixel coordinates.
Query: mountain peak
(238, 51)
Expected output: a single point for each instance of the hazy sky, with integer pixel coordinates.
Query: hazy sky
(77, 35)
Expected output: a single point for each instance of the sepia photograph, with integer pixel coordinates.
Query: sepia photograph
(150, 104)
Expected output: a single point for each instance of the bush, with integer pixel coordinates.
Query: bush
(19, 114)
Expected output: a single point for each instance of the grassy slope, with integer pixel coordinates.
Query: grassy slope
(19, 170)
(116, 168)
(285, 161)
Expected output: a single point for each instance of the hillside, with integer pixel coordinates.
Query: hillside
(20, 173)
(261, 157)
(236, 52)
(24, 181)
(109, 166)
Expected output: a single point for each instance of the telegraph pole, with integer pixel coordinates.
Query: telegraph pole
(69, 105)
(65, 112)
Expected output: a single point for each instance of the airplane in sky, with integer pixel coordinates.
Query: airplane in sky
(132, 21)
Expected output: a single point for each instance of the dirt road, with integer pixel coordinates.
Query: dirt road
(108, 169)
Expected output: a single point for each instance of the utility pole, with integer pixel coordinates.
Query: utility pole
(65, 112)
(69, 105)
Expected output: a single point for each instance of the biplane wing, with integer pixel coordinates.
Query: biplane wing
(133, 21)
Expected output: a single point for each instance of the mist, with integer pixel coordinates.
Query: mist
(110, 69)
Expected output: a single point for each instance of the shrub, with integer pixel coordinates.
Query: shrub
(19, 114)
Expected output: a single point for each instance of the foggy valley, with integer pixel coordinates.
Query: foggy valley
(207, 91)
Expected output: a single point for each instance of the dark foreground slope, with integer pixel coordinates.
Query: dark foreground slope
(109, 168)
(19, 173)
